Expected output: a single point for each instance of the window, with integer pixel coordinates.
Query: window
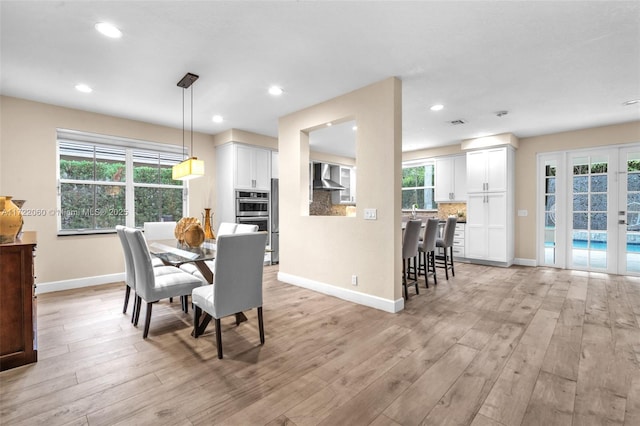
(106, 181)
(418, 187)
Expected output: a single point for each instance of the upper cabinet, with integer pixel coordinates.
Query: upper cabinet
(487, 170)
(345, 176)
(275, 165)
(451, 179)
(253, 167)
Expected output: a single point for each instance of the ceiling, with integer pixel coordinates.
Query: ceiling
(554, 66)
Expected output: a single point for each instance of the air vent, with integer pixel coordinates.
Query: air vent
(457, 122)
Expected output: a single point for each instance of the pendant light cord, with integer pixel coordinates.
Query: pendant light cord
(183, 124)
(191, 152)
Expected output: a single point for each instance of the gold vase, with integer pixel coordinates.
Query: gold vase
(208, 231)
(10, 220)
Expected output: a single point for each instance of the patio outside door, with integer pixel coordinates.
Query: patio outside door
(628, 215)
(601, 231)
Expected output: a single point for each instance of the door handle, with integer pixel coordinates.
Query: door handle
(621, 213)
(622, 222)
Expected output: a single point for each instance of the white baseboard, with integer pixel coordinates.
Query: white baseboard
(376, 302)
(525, 262)
(78, 283)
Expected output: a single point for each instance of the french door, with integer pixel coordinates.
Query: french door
(589, 210)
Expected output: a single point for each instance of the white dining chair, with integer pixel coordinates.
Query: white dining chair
(237, 283)
(153, 284)
(159, 230)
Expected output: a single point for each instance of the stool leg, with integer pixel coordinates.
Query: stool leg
(453, 272)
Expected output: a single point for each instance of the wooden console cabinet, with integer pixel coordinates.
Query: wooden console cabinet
(18, 334)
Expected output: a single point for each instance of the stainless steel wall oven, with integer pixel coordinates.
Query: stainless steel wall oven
(252, 207)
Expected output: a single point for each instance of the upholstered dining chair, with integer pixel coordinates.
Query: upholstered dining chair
(225, 228)
(159, 230)
(237, 283)
(446, 242)
(129, 272)
(153, 284)
(410, 242)
(427, 251)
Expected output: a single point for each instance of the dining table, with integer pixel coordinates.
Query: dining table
(174, 253)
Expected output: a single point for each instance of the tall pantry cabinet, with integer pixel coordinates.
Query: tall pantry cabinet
(490, 205)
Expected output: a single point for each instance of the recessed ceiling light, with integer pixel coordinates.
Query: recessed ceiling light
(83, 88)
(217, 119)
(275, 90)
(631, 102)
(354, 128)
(108, 30)
(437, 107)
(329, 124)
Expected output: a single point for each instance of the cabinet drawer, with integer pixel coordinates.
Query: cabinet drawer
(458, 243)
(458, 251)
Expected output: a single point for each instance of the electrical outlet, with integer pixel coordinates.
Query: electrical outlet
(354, 279)
(370, 214)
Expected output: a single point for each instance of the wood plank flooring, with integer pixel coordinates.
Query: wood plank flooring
(491, 346)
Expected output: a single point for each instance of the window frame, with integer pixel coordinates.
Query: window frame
(421, 163)
(129, 146)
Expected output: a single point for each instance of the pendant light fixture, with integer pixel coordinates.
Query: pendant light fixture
(191, 167)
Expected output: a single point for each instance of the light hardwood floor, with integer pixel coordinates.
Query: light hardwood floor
(492, 346)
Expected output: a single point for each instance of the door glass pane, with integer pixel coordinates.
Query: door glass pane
(550, 241)
(633, 213)
(590, 203)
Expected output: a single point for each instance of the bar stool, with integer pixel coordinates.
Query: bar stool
(427, 252)
(410, 251)
(446, 243)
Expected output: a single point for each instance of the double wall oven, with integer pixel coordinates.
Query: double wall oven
(252, 207)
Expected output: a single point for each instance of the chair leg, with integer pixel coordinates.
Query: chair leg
(446, 263)
(196, 320)
(453, 271)
(219, 338)
(147, 321)
(404, 279)
(138, 306)
(432, 259)
(127, 291)
(261, 325)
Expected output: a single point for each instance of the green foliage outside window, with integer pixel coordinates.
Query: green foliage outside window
(103, 206)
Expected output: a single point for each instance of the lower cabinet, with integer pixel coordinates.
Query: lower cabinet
(488, 228)
(18, 344)
(458, 242)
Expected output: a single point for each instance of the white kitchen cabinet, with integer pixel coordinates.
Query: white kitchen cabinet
(487, 227)
(459, 251)
(451, 179)
(239, 166)
(490, 206)
(253, 167)
(345, 176)
(487, 170)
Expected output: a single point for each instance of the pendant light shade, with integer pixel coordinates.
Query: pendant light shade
(188, 169)
(192, 167)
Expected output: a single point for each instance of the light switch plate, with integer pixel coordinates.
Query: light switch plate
(370, 214)
(523, 213)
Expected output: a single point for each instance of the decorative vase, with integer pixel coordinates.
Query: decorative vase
(10, 220)
(194, 235)
(208, 232)
(183, 226)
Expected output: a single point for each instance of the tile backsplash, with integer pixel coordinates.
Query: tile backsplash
(456, 209)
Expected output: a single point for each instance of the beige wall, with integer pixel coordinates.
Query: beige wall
(249, 138)
(28, 171)
(329, 249)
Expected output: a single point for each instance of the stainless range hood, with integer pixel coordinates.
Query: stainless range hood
(322, 178)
